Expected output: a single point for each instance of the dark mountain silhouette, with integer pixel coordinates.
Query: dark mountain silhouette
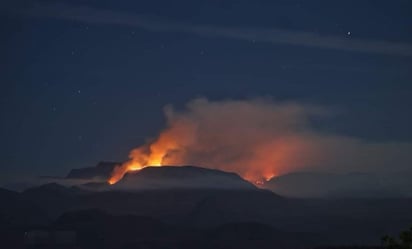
(15, 210)
(53, 197)
(256, 235)
(329, 185)
(192, 207)
(19, 185)
(200, 211)
(181, 177)
(51, 189)
(167, 177)
(217, 208)
(95, 186)
(101, 171)
(98, 229)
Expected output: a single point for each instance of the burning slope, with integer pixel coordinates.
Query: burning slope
(153, 154)
(246, 137)
(258, 139)
(139, 159)
(181, 177)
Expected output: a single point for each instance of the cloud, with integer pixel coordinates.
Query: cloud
(275, 36)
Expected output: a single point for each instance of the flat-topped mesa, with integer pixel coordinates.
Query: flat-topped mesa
(103, 170)
(181, 177)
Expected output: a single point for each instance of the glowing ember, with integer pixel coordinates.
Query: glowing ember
(269, 177)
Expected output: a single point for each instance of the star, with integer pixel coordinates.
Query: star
(349, 33)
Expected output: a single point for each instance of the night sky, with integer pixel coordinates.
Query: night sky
(85, 81)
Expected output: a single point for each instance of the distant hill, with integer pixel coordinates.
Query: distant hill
(102, 170)
(98, 229)
(53, 197)
(351, 185)
(266, 215)
(51, 189)
(196, 207)
(16, 210)
(181, 177)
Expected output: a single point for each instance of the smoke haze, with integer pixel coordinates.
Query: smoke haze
(259, 139)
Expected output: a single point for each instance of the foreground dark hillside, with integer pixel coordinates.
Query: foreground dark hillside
(181, 177)
(349, 185)
(255, 218)
(97, 229)
(129, 231)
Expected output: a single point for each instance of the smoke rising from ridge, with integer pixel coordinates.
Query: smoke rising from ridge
(259, 139)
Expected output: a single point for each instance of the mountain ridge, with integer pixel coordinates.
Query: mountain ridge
(182, 177)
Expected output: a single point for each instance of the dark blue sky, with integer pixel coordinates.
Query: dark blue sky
(78, 90)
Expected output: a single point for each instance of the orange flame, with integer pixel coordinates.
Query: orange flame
(157, 153)
(144, 156)
(254, 139)
(153, 159)
(170, 149)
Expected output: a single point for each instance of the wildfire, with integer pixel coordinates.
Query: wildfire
(268, 177)
(257, 139)
(134, 165)
(158, 154)
(146, 155)
(254, 139)
(168, 150)
(259, 179)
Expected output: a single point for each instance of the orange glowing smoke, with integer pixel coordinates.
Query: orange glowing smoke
(256, 139)
(136, 163)
(245, 137)
(140, 158)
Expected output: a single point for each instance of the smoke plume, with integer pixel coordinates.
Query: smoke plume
(258, 139)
